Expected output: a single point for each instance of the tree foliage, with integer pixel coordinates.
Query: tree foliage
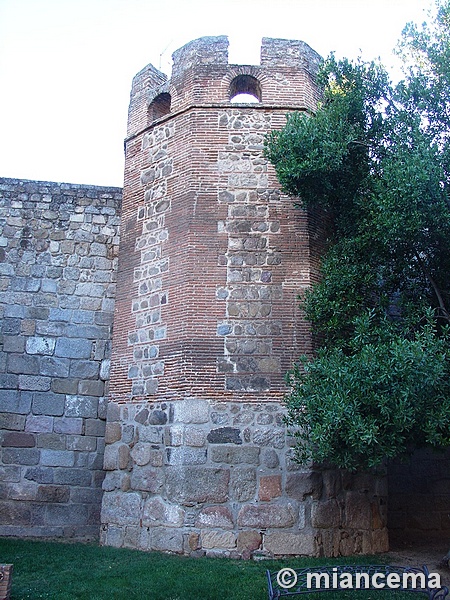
(375, 159)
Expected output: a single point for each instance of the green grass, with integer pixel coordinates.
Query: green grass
(85, 571)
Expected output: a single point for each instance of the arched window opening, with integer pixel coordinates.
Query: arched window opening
(159, 107)
(245, 88)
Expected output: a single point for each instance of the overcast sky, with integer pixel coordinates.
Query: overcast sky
(66, 65)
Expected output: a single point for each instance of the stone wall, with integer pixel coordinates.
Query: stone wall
(58, 254)
(218, 479)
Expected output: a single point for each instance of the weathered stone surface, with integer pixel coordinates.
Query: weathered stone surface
(18, 513)
(357, 511)
(269, 487)
(113, 536)
(57, 458)
(131, 537)
(34, 382)
(197, 484)
(39, 424)
(73, 476)
(111, 459)
(274, 437)
(285, 543)
(52, 493)
(12, 421)
(191, 410)
(51, 441)
(185, 455)
(300, 485)
(19, 440)
(142, 416)
(24, 490)
(48, 403)
(157, 512)
(52, 340)
(21, 456)
(151, 434)
(235, 456)
(113, 432)
(332, 483)
(67, 515)
(81, 406)
(168, 540)
(219, 517)
(225, 435)
(267, 516)
(121, 509)
(194, 436)
(174, 435)
(156, 458)
(328, 541)
(326, 514)
(82, 443)
(269, 458)
(40, 474)
(40, 345)
(68, 425)
(73, 348)
(157, 417)
(379, 541)
(91, 388)
(194, 541)
(94, 427)
(113, 412)
(217, 539)
(141, 454)
(248, 542)
(147, 479)
(243, 484)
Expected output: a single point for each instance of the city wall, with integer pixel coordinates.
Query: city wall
(58, 264)
(180, 445)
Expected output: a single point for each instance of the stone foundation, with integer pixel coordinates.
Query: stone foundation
(218, 479)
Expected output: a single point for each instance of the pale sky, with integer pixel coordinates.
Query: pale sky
(66, 65)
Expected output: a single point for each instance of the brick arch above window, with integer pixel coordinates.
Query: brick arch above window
(245, 88)
(159, 106)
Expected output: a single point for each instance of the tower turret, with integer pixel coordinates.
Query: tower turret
(212, 259)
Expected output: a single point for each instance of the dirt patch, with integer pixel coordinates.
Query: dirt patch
(430, 554)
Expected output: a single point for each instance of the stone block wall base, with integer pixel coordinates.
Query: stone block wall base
(182, 480)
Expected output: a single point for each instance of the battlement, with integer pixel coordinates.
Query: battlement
(202, 51)
(202, 75)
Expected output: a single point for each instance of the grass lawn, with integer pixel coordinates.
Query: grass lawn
(86, 571)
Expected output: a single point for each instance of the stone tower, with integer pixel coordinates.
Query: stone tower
(212, 259)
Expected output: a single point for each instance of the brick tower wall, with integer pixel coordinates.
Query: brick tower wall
(212, 259)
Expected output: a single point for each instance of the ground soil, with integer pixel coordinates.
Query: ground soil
(431, 554)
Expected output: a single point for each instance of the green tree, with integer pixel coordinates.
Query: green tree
(375, 159)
